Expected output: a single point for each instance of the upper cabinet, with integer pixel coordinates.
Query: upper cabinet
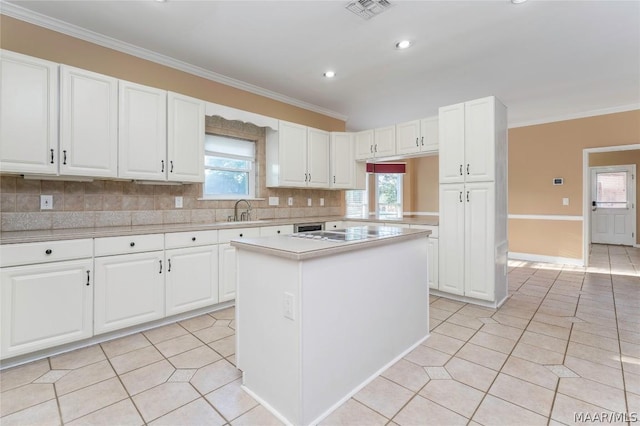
(417, 136)
(346, 173)
(469, 129)
(142, 133)
(377, 143)
(297, 156)
(185, 138)
(28, 114)
(88, 123)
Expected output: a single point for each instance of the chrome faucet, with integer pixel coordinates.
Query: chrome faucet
(245, 215)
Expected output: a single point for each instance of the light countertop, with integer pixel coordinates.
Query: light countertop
(294, 248)
(13, 237)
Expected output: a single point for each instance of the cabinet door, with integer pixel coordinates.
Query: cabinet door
(192, 278)
(185, 138)
(479, 247)
(432, 250)
(293, 154)
(28, 114)
(227, 266)
(45, 305)
(343, 162)
(429, 139)
(452, 238)
(408, 137)
(451, 130)
(364, 145)
(88, 123)
(318, 158)
(479, 149)
(142, 132)
(384, 141)
(129, 290)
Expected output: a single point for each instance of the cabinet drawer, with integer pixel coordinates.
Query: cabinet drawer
(432, 228)
(130, 244)
(30, 253)
(190, 239)
(226, 235)
(269, 231)
(338, 224)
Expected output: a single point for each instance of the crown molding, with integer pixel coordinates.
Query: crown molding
(23, 14)
(583, 114)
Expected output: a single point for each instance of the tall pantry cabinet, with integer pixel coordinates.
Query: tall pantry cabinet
(473, 201)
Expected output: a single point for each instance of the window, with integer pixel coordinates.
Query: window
(389, 195)
(611, 190)
(229, 168)
(388, 198)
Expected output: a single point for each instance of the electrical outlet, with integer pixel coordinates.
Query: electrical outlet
(565, 201)
(46, 202)
(290, 201)
(309, 202)
(178, 202)
(288, 306)
(274, 201)
(321, 202)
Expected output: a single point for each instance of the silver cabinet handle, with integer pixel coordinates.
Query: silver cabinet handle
(162, 161)
(467, 196)
(169, 268)
(88, 277)
(160, 267)
(422, 141)
(171, 162)
(467, 168)
(417, 142)
(460, 195)
(64, 157)
(52, 156)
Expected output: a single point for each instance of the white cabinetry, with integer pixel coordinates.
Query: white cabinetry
(377, 143)
(45, 300)
(129, 281)
(471, 133)
(417, 136)
(227, 260)
(28, 114)
(192, 271)
(142, 132)
(88, 123)
(297, 156)
(338, 224)
(346, 172)
(432, 252)
(473, 200)
(185, 138)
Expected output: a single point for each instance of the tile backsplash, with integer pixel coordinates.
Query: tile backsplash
(121, 203)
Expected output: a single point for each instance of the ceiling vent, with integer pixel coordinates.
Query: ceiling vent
(367, 9)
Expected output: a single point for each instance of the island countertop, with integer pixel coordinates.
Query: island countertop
(296, 248)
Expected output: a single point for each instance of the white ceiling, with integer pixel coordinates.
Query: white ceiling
(546, 60)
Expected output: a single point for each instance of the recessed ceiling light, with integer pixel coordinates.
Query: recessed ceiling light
(404, 44)
(518, 1)
(330, 74)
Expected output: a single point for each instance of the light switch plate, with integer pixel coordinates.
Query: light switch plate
(46, 202)
(321, 202)
(274, 201)
(565, 201)
(178, 202)
(290, 201)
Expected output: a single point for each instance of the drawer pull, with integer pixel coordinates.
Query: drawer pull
(193, 238)
(88, 277)
(241, 235)
(160, 267)
(169, 267)
(131, 244)
(278, 231)
(48, 251)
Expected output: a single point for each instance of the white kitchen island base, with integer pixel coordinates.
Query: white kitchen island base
(314, 330)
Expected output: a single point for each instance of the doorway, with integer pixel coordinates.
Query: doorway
(613, 209)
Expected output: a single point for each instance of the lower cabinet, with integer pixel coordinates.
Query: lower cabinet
(227, 262)
(432, 252)
(129, 290)
(191, 279)
(45, 305)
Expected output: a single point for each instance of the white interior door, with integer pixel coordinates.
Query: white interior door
(613, 210)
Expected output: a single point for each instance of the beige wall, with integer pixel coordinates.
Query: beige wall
(618, 158)
(423, 184)
(33, 40)
(539, 153)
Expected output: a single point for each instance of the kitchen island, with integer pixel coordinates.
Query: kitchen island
(319, 317)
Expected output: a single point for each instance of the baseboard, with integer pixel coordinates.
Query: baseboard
(465, 299)
(546, 259)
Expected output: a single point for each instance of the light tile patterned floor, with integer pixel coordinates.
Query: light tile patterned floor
(567, 341)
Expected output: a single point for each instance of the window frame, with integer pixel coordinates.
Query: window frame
(252, 172)
(399, 189)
